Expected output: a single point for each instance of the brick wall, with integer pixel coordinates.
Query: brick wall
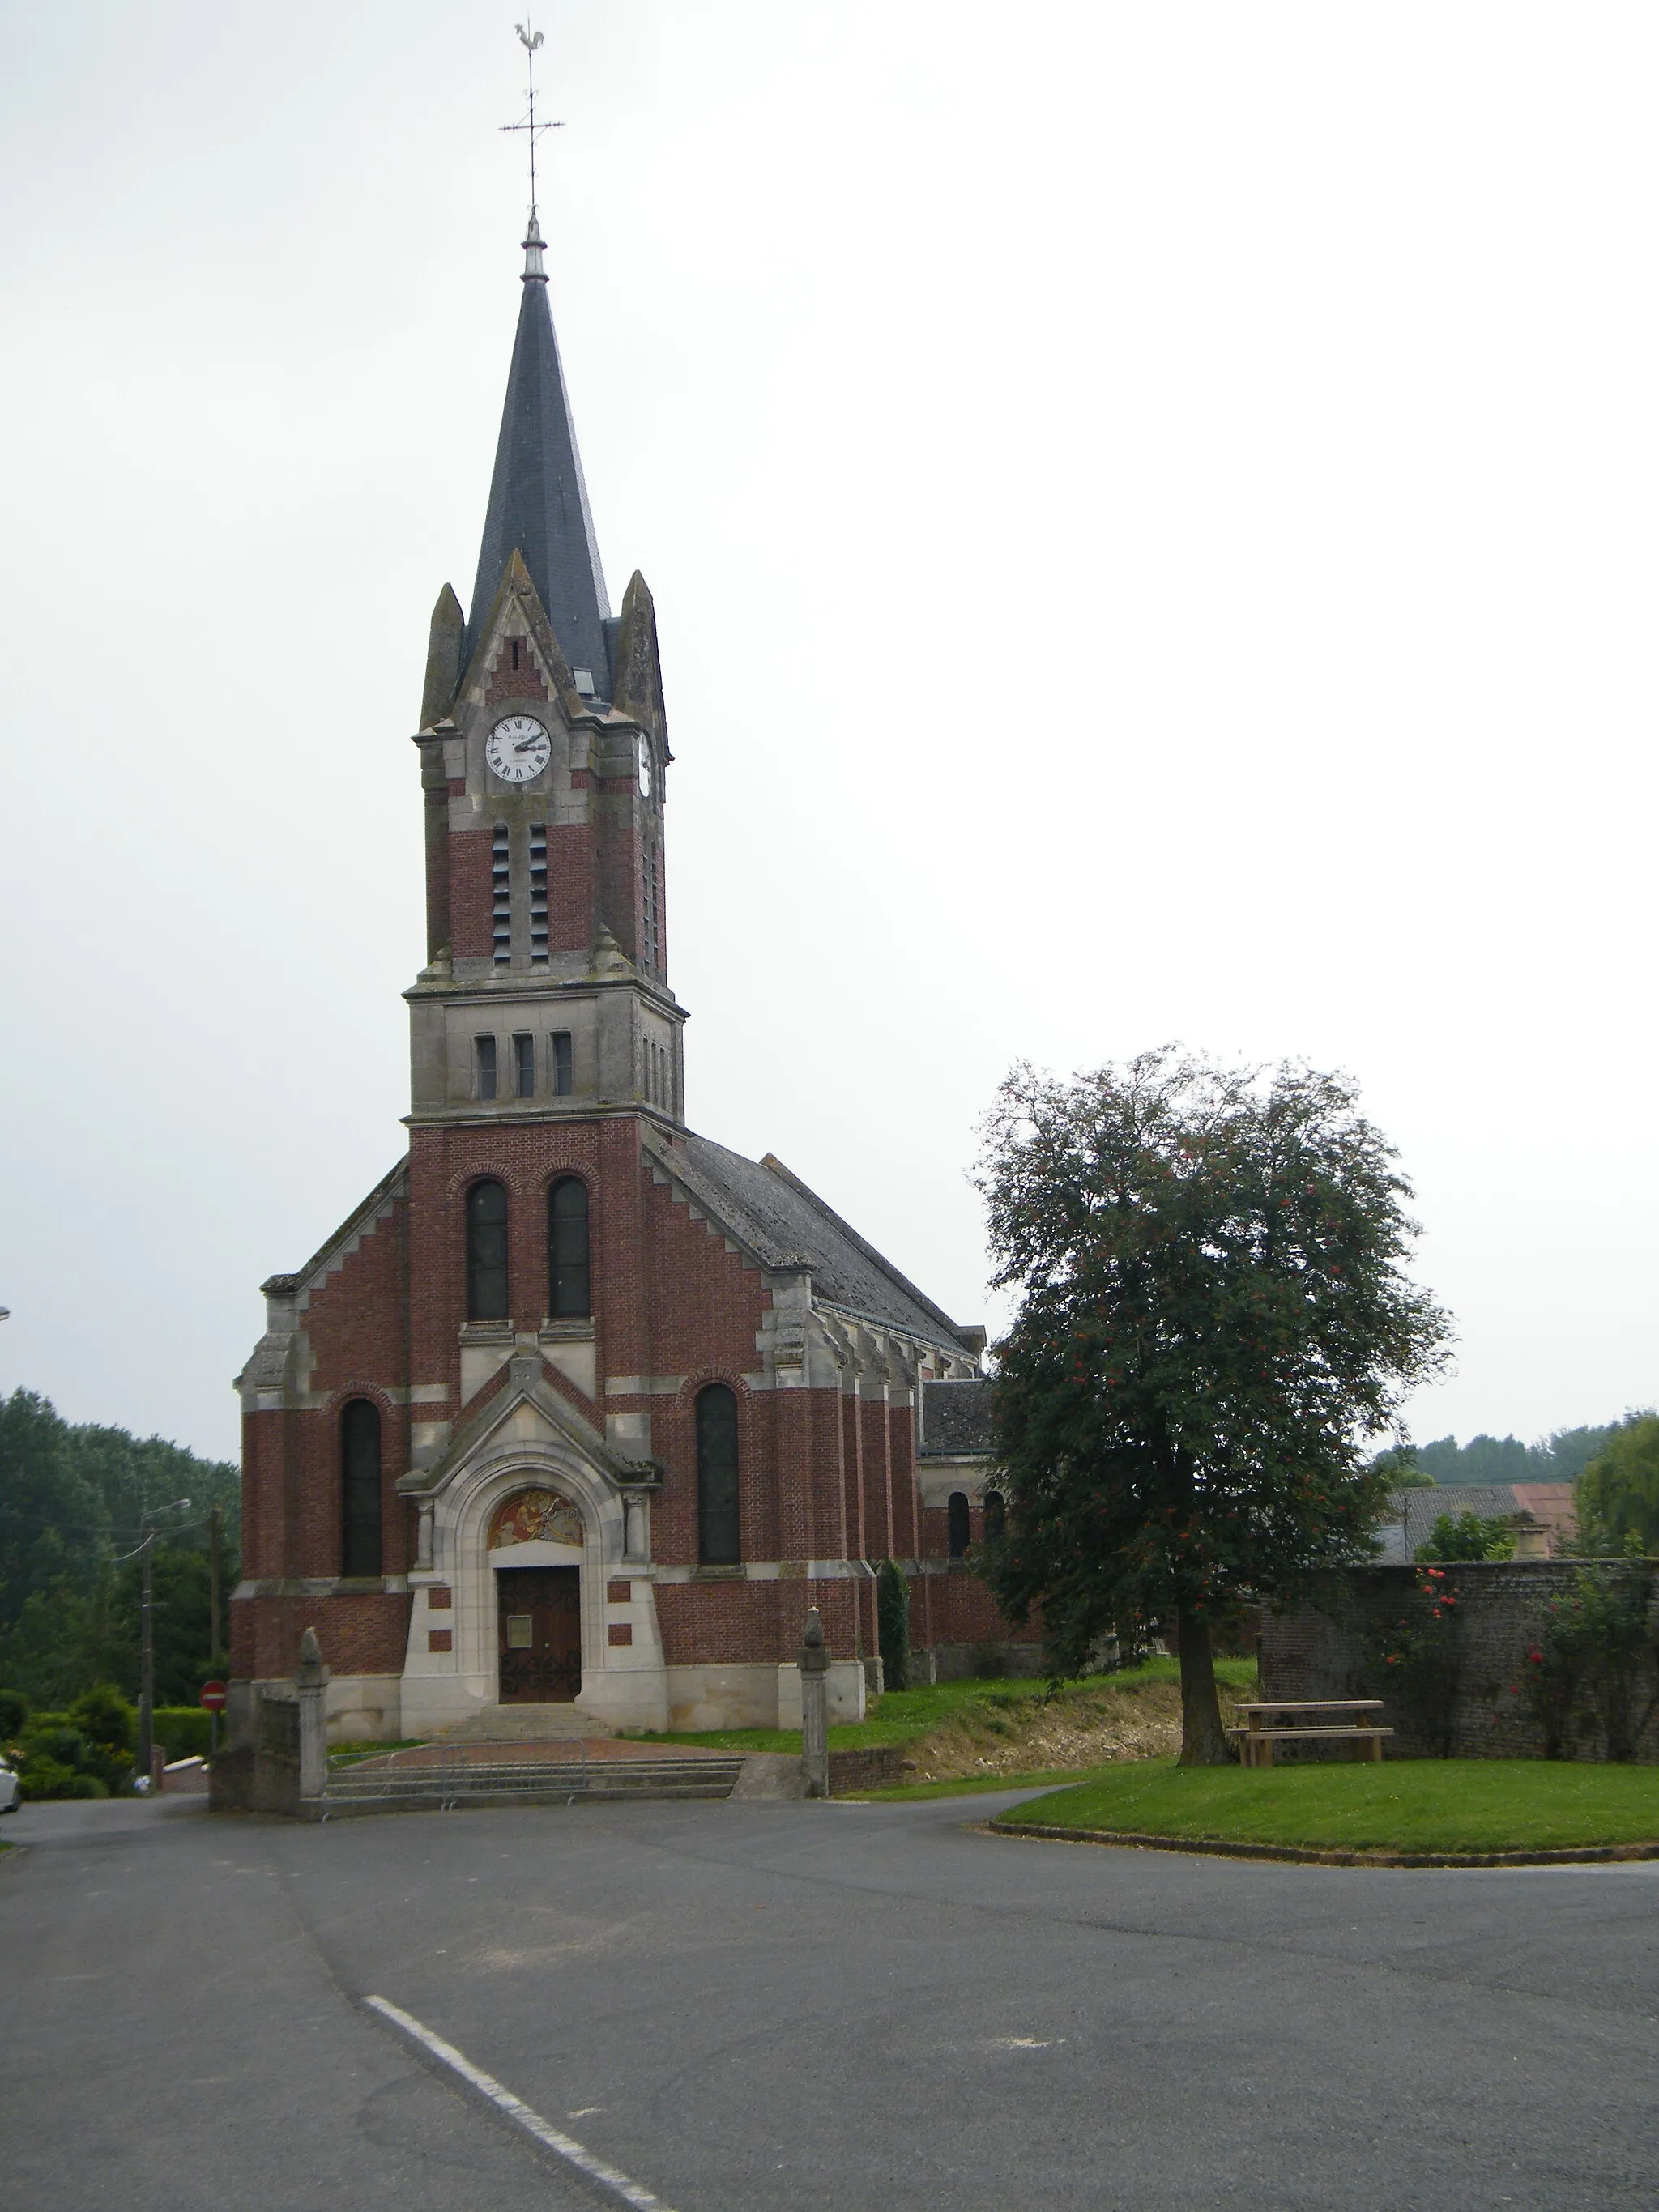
(824, 1474)
(1501, 1612)
(360, 1632)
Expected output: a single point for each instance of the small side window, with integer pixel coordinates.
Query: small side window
(996, 1516)
(360, 1488)
(569, 1292)
(524, 1066)
(957, 1514)
(485, 1052)
(486, 1252)
(560, 1058)
(718, 1530)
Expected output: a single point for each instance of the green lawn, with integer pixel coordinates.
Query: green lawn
(902, 1715)
(347, 1754)
(1408, 1805)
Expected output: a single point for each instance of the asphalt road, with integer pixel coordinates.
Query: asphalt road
(755, 2006)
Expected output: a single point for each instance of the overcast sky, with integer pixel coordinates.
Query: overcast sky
(1151, 515)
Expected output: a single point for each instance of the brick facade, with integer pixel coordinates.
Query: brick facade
(703, 1269)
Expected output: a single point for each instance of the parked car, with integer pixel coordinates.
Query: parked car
(11, 1792)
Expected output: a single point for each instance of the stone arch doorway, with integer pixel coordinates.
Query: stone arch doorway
(538, 1608)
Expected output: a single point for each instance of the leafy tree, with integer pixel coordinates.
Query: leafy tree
(1564, 1456)
(1399, 1464)
(893, 1625)
(1618, 1493)
(71, 1500)
(1213, 1318)
(1466, 1536)
(53, 1526)
(67, 1639)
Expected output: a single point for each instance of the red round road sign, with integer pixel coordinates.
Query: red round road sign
(214, 1696)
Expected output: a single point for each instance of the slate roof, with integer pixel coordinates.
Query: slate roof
(538, 501)
(955, 1418)
(784, 1224)
(1412, 1513)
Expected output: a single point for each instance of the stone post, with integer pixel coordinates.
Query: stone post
(814, 1663)
(310, 1681)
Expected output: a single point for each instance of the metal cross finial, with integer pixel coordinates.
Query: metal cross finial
(530, 40)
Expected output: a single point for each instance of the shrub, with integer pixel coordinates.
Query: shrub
(1614, 1601)
(893, 1625)
(52, 1738)
(59, 1756)
(110, 1725)
(104, 1717)
(1419, 1661)
(1590, 1664)
(1550, 1675)
(1466, 1536)
(184, 1731)
(46, 1777)
(14, 1713)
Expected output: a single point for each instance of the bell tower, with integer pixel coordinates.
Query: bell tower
(544, 752)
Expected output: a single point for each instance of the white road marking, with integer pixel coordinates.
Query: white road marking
(567, 2147)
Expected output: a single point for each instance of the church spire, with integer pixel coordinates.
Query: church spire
(537, 499)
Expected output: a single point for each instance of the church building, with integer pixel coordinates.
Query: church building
(578, 1407)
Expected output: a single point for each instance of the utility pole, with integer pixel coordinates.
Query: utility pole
(213, 1621)
(146, 1639)
(146, 1664)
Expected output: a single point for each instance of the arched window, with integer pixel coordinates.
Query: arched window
(718, 1538)
(568, 1298)
(486, 1252)
(956, 1513)
(360, 1488)
(996, 1515)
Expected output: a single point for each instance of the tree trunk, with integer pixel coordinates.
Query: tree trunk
(1203, 1740)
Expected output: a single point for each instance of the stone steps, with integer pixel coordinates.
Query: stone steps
(436, 1788)
(524, 1724)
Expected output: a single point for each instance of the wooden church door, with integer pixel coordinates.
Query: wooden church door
(540, 1613)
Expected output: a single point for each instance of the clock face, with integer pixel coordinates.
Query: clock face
(517, 747)
(645, 767)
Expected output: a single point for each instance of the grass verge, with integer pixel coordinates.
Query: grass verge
(348, 1754)
(905, 1717)
(1404, 1805)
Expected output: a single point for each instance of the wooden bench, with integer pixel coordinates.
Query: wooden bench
(1324, 1724)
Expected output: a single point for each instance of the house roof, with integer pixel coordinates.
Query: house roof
(787, 1225)
(1412, 1513)
(955, 1418)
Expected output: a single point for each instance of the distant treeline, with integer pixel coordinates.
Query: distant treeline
(1561, 1456)
(70, 1501)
